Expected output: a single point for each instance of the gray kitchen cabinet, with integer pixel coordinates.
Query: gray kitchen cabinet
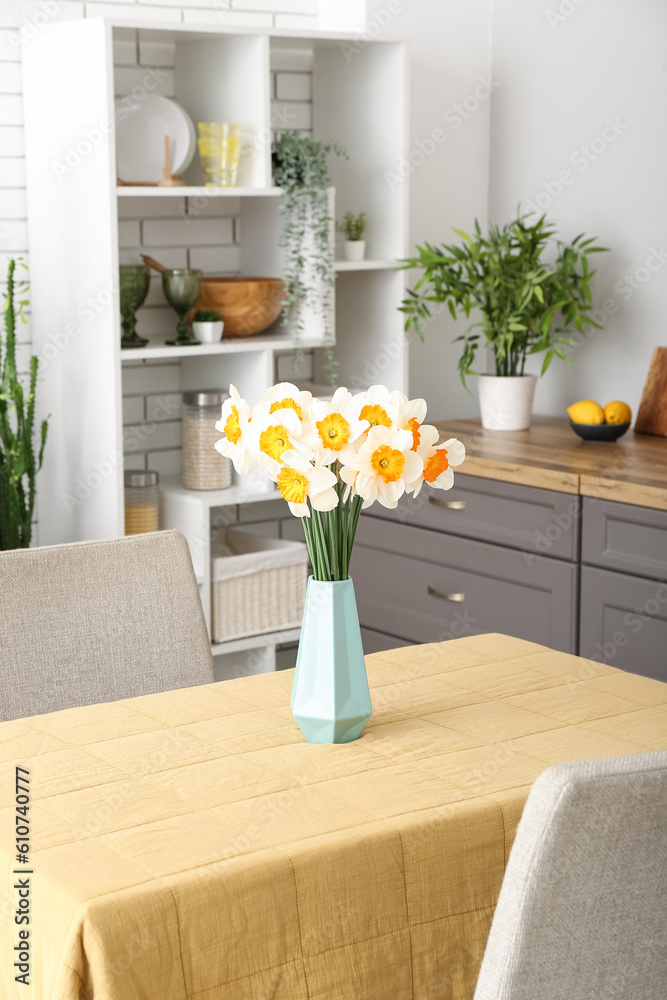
(624, 537)
(555, 561)
(544, 522)
(579, 574)
(624, 621)
(428, 586)
(378, 642)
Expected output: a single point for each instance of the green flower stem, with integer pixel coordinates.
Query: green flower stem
(333, 540)
(330, 537)
(320, 543)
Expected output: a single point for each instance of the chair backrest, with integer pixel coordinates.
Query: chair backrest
(582, 912)
(99, 621)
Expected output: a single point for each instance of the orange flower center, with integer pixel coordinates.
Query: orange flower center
(274, 441)
(286, 404)
(387, 463)
(232, 426)
(334, 431)
(375, 415)
(435, 465)
(414, 425)
(293, 485)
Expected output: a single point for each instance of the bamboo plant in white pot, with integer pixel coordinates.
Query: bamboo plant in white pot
(527, 306)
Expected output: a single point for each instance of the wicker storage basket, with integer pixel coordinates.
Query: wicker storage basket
(257, 585)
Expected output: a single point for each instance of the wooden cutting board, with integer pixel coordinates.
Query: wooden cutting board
(652, 416)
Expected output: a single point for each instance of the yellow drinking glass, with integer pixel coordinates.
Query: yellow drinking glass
(220, 151)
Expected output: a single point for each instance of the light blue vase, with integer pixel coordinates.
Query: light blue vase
(330, 698)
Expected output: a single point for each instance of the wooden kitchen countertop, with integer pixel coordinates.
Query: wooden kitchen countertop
(551, 456)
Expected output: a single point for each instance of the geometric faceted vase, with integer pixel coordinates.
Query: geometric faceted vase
(330, 698)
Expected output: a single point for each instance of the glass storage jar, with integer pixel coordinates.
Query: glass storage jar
(204, 468)
(142, 503)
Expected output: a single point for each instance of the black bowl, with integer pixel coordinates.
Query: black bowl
(599, 432)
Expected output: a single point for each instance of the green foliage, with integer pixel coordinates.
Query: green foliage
(18, 465)
(353, 227)
(300, 169)
(206, 316)
(527, 305)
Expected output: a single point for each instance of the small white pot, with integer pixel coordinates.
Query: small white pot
(355, 249)
(208, 333)
(506, 401)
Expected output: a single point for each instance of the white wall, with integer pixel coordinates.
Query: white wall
(450, 114)
(567, 68)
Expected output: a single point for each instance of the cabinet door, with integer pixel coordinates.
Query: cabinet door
(427, 587)
(378, 642)
(624, 622)
(543, 522)
(624, 537)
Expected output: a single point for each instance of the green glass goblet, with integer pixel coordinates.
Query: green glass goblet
(134, 282)
(181, 288)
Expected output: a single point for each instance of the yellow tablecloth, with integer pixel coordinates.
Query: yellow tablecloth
(192, 845)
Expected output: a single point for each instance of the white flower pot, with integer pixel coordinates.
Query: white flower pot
(506, 401)
(208, 333)
(355, 249)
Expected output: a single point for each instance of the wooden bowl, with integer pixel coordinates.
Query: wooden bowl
(246, 305)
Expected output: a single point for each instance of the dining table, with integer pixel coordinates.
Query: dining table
(190, 845)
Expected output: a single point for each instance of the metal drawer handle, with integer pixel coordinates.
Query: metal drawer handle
(448, 504)
(458, 598)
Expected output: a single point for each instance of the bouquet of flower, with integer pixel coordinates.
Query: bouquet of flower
(332, 458)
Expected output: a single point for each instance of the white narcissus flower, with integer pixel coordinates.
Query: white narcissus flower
(410, 416)
(299, 481)
(383, 466)
(377, 405)
(286, 395)
(270, 435)
(438, 459)
(337, 427)
(233, 424)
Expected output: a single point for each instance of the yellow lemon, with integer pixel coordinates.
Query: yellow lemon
(617, 413)
(586, 411)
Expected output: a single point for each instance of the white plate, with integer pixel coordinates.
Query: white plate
(140, 130)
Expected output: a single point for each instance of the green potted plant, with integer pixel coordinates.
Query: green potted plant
(300, 169)
(353, 228)
(18, 463)
(207, 326)
(527, 305)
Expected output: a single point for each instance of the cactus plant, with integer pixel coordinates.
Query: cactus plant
(18, 463)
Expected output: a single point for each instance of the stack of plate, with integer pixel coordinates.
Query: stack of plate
(140, 130)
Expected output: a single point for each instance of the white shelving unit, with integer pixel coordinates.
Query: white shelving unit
(365, 265)
(220, 74)
(188, 191)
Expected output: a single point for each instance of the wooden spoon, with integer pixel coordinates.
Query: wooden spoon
(152, 263)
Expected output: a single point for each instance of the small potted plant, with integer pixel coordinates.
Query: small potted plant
(527, 305)
(353, 228)
(207, 326)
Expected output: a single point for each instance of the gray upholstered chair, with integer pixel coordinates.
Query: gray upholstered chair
(99, 621)
(582, 913)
